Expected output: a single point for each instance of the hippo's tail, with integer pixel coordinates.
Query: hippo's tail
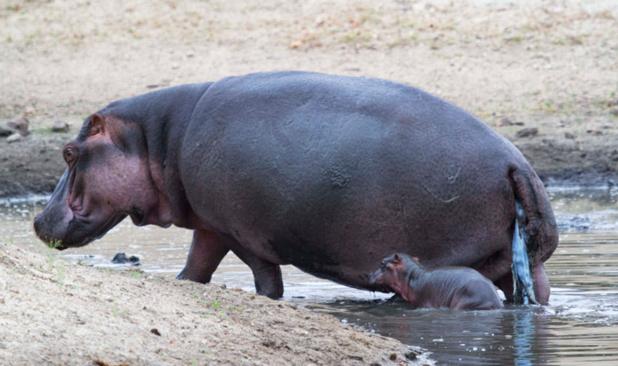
(539, 225)
(535, 237)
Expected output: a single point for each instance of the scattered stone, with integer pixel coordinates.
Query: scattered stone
(594, 132)
(527, 132)
(155, 331)
(614, 112)
(121, 258)
(20, 125)
(412, 355)
(60, 126)
(5, 132)
(295, 45)
(569, 136)
(14, 138)
(269, 344)
(505, 121)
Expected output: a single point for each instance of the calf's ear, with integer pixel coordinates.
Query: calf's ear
(396, 258)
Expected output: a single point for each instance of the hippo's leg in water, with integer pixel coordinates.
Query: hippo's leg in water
(541, 284)
(207, 251)
(523, 289)
(267, 275)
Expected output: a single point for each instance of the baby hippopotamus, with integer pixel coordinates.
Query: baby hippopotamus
(457, 288)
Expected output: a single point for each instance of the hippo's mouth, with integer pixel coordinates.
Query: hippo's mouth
(82, 231)
(137, 216)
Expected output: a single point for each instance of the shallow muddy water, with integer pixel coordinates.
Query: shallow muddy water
(580, 327)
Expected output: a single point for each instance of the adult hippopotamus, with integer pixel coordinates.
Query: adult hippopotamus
(327, 173)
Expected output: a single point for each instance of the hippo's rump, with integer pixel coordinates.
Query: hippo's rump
(332, 173)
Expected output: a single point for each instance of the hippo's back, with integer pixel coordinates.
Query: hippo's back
(329, 173)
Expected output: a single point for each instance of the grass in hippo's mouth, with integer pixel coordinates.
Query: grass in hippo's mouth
(54, 244)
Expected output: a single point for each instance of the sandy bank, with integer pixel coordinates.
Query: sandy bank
(54, 312)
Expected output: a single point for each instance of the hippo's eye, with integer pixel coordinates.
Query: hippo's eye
(69, 154)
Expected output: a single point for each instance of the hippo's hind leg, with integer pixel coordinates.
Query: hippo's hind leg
(267, 275)
(207, 251)
(541, 284)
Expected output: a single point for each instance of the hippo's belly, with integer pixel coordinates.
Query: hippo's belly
(332, 182)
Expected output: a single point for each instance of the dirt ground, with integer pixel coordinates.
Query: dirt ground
(56, 313)
(549, 65)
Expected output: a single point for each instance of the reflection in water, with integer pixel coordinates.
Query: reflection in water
(580, 327)
(523, 336)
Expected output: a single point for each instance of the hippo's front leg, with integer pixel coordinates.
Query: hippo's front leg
(207, 251)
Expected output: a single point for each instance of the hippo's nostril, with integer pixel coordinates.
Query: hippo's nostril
(40, 228)
(37, 225)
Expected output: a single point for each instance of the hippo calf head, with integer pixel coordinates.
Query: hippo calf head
(106, 179)
(395, 271)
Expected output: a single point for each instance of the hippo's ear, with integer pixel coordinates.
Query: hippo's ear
(96, 125)
(396, 259)
(416, 259)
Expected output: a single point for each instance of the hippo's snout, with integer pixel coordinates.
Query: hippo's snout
(51, 238)
(375, 277)
(52, 225)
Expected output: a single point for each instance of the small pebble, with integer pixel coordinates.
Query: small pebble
(14, 138)
(4, 131)
(527, 132)
(60, 126)
(20, 125)
(121, 258)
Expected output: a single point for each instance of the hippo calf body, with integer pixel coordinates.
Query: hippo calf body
(457, 288)
(327, 173)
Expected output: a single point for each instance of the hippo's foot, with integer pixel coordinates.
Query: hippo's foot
(207, 251)
(266, 275)
(523, 289)
(268, 281)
